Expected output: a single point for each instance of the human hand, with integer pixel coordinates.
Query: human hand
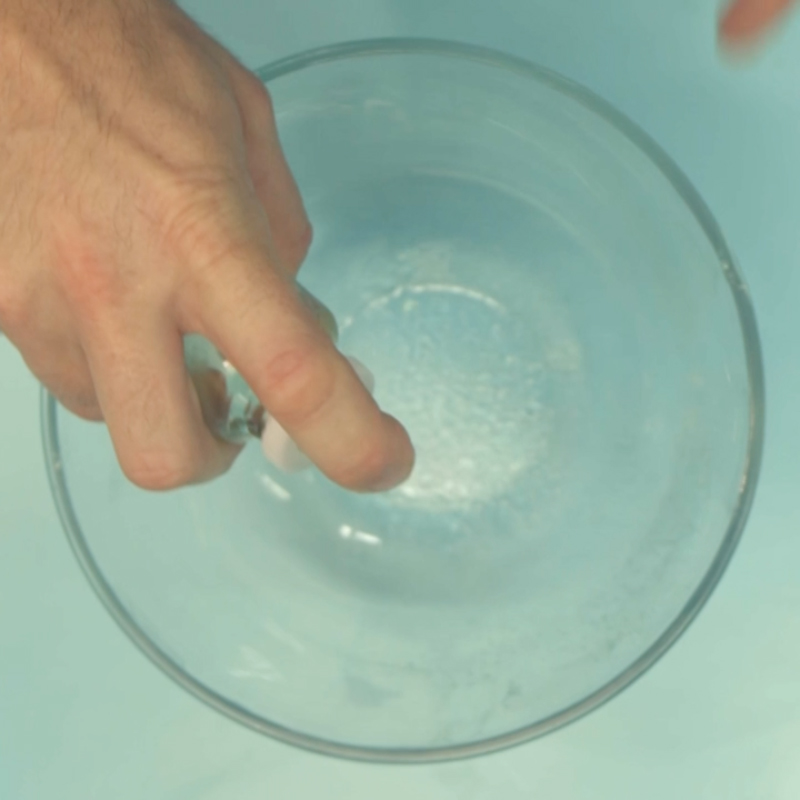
(144, 196)
(745, 20)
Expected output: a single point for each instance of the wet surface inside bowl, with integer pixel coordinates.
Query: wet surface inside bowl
(553, 320)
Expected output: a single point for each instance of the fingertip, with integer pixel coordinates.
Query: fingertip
(728, 24)
(399, 461)
(744, 22)
(736, 34)
(379, 459)
(736, 52)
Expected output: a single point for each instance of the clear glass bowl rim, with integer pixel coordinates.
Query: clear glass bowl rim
(752, 351)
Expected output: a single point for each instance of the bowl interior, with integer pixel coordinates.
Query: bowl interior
(550, 311)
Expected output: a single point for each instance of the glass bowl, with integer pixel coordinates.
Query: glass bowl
(551, 310)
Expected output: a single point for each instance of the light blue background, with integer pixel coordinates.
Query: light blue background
(83, 715)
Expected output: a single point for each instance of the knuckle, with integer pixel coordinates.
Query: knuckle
(159, 470)
(87, 278)
(298, 384)
(199, 223)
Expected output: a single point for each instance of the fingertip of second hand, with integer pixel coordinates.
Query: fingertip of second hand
(738, 50)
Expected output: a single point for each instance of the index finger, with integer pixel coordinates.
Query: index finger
(256, 317)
